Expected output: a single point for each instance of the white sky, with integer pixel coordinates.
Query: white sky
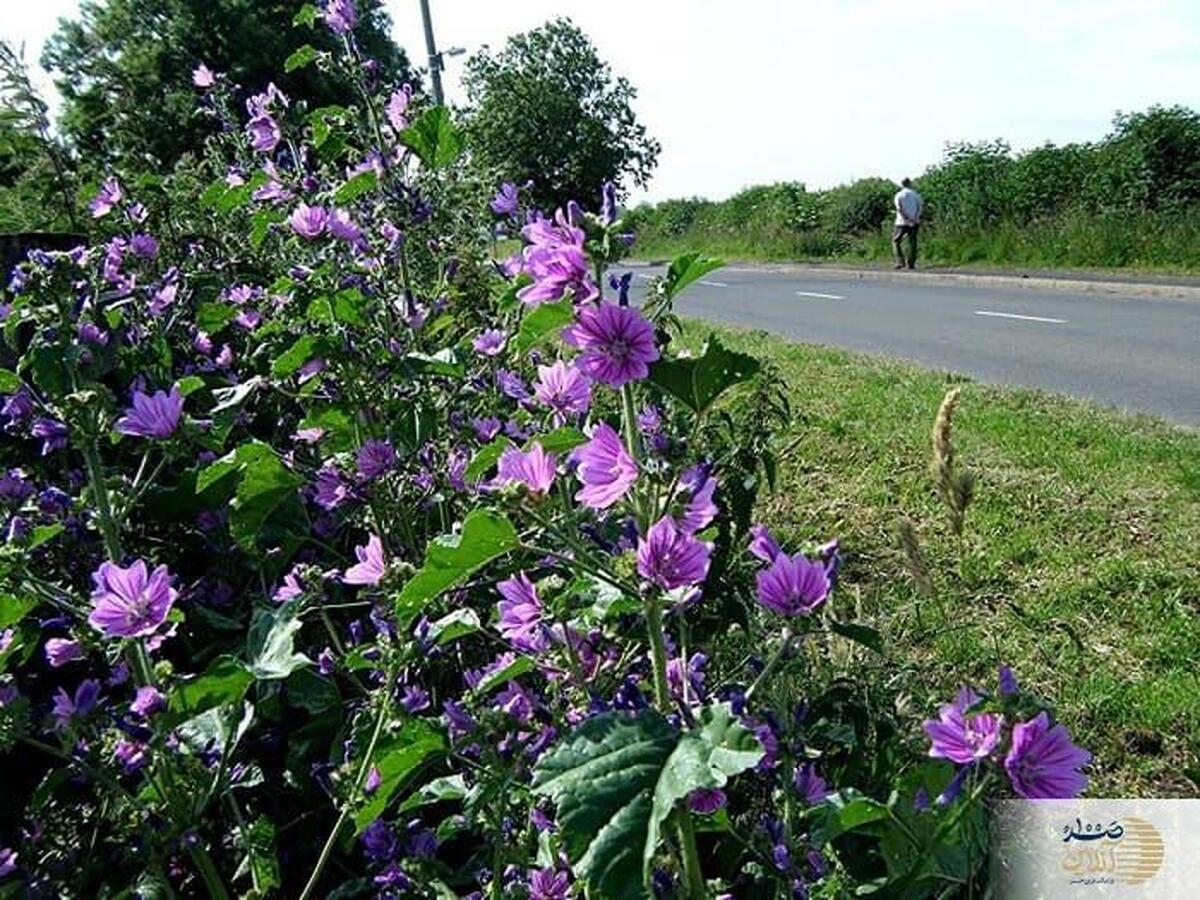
(744, 92)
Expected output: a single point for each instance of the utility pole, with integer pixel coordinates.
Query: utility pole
(435, 58)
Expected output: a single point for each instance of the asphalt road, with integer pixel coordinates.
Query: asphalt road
(1138, 353)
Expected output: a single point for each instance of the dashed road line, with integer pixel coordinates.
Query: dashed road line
(1003, 315)
(819, 296)
(714, 283)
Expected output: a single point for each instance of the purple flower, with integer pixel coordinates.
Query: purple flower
(549, 884)
(700, 509)
(511, 385)
(147, 701)
(1008, 682)
(130, 602)
(414, 698)
(15, 487)
(144, 246)
(308, 221)
(106, 198)
(793, 586)
(1042, 762)
(605, 468)
(67, 707)
(373, 781)
(375, 459)
(706, 801)
(379, 841)
(263, 132)
(507, 200)
(563, 388)
(340, 15)
(397, 105)
(152, 416)
(960, 736)
(486, 428)
(458, 720)
(608, 207)
(331, 488)
(762, 544)
(371, 566)
(51, 432)
(534, 469)
(670, 558)
(616, 343)
(60, 651)
(556, 262)
(809, 784)
(521, 615)
(132, 755)
(8, 862)
(203, 76)
(344, 228)
(490, 342)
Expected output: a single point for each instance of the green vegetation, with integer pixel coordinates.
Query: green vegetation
(546, 110)
(1131, 199)
(1078, 565)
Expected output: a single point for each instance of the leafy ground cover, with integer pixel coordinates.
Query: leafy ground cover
(1079, 564)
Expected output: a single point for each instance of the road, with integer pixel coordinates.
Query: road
(1137, 353)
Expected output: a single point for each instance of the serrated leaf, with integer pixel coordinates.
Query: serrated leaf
(451, 559)
(486, 457)
(686, 269)
(397, 757)
(543, 322)
(602, 778)
(433, 138)
(362, 183)
(454, 625)
(706, 757)
(301, 57)
(699, 381)
(213, 316)
(13, 609)
(295, 356)
(224, 682)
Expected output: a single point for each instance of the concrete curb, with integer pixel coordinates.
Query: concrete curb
(1028, 282)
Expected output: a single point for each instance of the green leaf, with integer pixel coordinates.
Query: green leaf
(301, 57)
(265, 485)
(440, 790)
(42, 534)
(486, 457)
(213, 316)
(13, 609)
(397, 757)
(560, 440)
(312, 692)
(502, 676)
(218, 728)
(704, 758)
(189, 385)
(543, 322)
(860, 634)
(10, 382)
(433, 138)
(699, 381)
(295, 356)
(321, 119)
(213, 193)
(362, 183)
(602, 779)
(845, 811)
(688, 268)
(450, 559)
(444, 362)
(272, 644)
(307, 15)
(257, 842)
(231, 398)
(224, 683)
(451, 627)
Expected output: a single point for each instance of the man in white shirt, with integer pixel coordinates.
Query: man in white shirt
(909, 206)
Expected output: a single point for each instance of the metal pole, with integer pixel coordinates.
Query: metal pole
(435, 59)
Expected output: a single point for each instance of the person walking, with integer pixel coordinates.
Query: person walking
(909, 206)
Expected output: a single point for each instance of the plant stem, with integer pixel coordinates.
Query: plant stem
(380, 718)
(658, 654)
(693, 875)
(108, 524)
(771, 665)
(208, 872)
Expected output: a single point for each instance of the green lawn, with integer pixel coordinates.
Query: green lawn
(1081, 564)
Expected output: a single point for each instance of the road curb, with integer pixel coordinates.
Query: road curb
(1029, 282)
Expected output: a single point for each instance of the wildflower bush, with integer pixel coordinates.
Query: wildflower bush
(343, 561)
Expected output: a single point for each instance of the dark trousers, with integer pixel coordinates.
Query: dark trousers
(898, 234)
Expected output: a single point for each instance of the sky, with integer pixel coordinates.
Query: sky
(743, 92)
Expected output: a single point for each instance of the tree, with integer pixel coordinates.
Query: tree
(547, 109)
(124, 67)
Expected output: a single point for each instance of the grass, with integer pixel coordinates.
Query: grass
(1146, 243)
(1081, 561)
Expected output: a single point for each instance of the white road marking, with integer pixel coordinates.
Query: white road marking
(821, 296)
(644, 277)
(1001, 315)
(714, 283)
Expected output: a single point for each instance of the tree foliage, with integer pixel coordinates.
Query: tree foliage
(124, 67)
(547, 109)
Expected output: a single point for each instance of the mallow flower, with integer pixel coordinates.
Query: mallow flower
(106, 198)
(308, 221)
(605, 468)
(130, 602)
(521, 615)
(534, 469)
(371, 566)
(563, 388)
(152, 415)
(616, 343)
(793, 586)
(670, 558)
(960, 735)
(1042, 762)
